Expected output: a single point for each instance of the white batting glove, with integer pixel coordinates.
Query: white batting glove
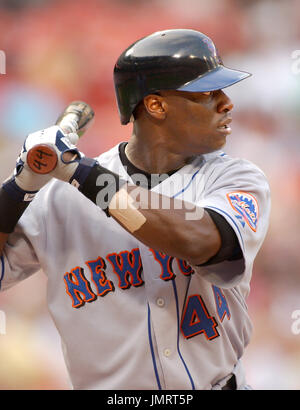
(25, 183)
(74, 168)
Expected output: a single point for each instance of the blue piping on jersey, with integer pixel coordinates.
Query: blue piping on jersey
(221, 210)
(183, 189)
(187, 291)
(2, 270)
(178, 350)
(176, 296)
(212, 207)
(152, 351)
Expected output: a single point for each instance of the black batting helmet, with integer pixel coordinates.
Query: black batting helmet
(180, 59)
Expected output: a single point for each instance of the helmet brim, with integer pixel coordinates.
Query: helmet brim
(216, 79)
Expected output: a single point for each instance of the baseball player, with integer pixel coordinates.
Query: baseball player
(148, 248)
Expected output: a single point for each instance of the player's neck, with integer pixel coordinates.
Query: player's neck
(153, 155)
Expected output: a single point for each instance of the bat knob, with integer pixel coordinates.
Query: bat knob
(42, 159)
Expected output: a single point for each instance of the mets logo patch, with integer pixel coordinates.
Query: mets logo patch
(246, 206)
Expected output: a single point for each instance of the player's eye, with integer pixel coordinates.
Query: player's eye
(207, 92)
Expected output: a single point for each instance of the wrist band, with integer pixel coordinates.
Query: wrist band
(11, 211)
(17, 193)
(100, 186)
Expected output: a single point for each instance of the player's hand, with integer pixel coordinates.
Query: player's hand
(63, 145)
(24, 182)
(71, 165)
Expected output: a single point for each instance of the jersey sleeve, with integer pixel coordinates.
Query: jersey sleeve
(239, 192)
(230, 247)
(19, 259)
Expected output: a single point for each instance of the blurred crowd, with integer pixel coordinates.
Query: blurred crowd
(64, 50)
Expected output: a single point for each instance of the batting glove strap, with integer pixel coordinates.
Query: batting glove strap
(17, 193)
(83, 169)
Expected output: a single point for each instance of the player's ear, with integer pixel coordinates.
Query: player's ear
(156, 106)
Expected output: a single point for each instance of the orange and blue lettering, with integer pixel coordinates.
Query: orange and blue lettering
(165, 262)
(97, 268)
(78, 288)
(196, 319)
(184, 267)
(127, 265)
(221, 303)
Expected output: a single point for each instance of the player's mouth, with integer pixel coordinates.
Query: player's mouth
(224, 127)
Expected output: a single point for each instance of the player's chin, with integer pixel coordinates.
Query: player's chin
(221, 143)
(217, 142)
(217, 145)
(213, 141)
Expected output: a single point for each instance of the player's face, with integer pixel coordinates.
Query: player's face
(198, 122)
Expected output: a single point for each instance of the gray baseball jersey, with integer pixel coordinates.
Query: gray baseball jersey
(131, 317)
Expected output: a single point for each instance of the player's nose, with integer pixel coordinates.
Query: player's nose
(224, 103)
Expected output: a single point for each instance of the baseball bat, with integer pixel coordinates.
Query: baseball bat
(78, 115)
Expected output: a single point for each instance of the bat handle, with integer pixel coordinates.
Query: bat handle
(69, 123)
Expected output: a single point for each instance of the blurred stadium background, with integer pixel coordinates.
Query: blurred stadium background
(59, 51)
